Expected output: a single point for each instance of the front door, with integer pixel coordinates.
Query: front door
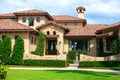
(52, 47)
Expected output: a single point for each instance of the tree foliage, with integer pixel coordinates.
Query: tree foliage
(6, 50)
(18, 51)
(115, 46)
(40, 44)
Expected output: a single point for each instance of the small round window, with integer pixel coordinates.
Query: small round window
(54, 32)
(48, 33)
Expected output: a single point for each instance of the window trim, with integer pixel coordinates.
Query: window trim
(38, 19)
(31, 21)
(24, 19)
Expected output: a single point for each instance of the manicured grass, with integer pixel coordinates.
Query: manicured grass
(58, 75)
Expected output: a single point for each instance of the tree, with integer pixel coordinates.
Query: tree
(18, 51)
(40, 44)
(6, 50)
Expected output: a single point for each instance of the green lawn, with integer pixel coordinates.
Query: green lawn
(58, 75)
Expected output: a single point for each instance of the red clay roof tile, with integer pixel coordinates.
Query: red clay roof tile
(9, 25)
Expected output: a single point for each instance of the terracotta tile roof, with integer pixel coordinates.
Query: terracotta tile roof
(112, 26)
(27, 13)
(7, 15)
(52, 23)
(87, 30)
(9, 25)
(32, 11)
(66, 18)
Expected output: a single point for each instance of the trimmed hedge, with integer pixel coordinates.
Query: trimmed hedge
(45, 63)
(18, 51)
(99, 64)
(6, 50)
(40, 44)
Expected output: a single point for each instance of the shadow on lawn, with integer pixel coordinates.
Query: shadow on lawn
(85, 73)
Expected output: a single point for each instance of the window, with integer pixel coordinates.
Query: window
(3, 37)
(75, 23)
(38, 19)
(15, 19)
(16, 36)
(79, 45)
(23, 19)
(65, 24)
(48, 33)
(108, 43)
(54, 32)
(31, 21)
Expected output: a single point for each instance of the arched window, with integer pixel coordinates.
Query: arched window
(54, 32)
(48, 33)
(38, 19)
(31, 21)
(23, 19)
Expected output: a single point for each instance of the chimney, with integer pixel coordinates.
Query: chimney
(80, 11)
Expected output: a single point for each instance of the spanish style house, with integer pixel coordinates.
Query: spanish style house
(62, 32)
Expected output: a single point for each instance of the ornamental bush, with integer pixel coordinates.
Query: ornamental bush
(40, 44)
(18, 51)
(71, 56)
(6, 50)
(99, 64)
(45, 63)
(115, 46)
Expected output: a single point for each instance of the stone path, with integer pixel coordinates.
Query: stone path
(68, 68)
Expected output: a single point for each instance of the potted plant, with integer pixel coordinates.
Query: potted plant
(3, 71)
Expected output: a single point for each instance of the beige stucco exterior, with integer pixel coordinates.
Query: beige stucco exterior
(43, 20)
(60, 38)
(24, 35)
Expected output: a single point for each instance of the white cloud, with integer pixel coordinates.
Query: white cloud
(98, 8)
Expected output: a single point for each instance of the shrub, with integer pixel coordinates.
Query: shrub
(45, 63)
(3, 71)
(17, 57)
(40, 44)
(71, 56)
(99, 64)
(6, 50)
(115, 46)
(83, 52)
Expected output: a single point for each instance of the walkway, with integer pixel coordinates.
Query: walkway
(69, 68)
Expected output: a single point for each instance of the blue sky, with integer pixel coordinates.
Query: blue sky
(97, 11)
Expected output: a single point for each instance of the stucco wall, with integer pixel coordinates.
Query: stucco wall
(91, 58)
(66, 45)
(33, 45)
(24, 35)
(93, 47)
(60, 38)
(43, 20)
